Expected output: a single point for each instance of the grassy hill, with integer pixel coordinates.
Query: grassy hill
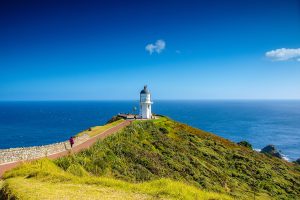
(157, 159)
(43, 179)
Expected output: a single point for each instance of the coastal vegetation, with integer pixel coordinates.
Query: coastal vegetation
(43, 179)
(158, 159)
(245, 144)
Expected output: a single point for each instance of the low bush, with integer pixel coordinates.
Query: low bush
(245, 144)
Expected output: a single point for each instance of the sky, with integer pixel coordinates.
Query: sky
(182, 49)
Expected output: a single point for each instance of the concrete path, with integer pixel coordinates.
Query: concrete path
(75, 149)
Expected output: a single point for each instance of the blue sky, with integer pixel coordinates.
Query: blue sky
(102, 50)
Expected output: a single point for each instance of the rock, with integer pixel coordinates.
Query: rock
(245, 144)
(298, 161)
(271, 150)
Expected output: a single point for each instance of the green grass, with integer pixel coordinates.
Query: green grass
(44, 180)
(144, 151)
(159, 159)
(100, 129)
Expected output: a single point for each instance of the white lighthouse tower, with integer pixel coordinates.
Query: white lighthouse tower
(145, 104)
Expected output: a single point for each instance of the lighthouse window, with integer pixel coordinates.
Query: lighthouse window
(148, 106)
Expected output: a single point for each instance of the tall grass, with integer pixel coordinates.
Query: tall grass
(44, 180)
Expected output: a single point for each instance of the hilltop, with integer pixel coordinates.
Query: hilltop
(157, 159)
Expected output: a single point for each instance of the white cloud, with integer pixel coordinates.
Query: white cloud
(158, 47)
(284, 54)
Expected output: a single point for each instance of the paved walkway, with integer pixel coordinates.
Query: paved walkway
(75, 149)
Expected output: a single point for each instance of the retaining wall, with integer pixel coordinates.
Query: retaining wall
(27, 153)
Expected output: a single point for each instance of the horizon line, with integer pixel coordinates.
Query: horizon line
(45, 100)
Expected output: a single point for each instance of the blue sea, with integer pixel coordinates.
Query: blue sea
(259, 122)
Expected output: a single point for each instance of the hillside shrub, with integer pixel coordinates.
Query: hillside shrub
(245, 144)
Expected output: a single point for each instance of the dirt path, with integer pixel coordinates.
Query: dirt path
(75, 149)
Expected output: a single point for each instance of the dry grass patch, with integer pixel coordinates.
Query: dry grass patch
(99, 129)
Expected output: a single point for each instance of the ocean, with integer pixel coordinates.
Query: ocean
(259, 122)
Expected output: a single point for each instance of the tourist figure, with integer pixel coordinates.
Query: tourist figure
(71, 140)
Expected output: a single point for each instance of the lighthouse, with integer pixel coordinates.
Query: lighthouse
(145, 104)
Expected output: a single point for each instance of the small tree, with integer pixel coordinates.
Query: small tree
(245, 144)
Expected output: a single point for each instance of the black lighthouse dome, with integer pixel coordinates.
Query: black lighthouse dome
(145, 90)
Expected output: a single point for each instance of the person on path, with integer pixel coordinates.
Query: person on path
(71, 140)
